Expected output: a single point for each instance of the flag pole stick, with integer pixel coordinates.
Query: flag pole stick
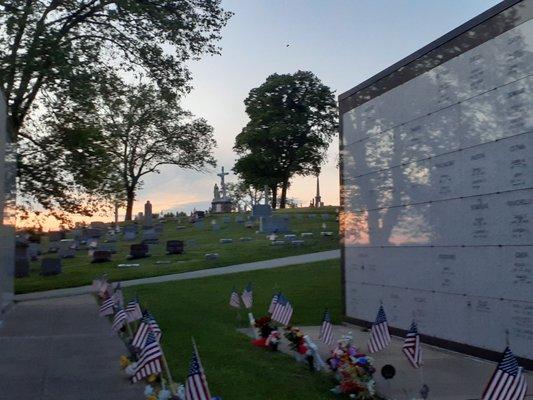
(130, 332)
(167, 371)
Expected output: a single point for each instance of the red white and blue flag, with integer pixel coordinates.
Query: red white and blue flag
(273, 303)
(150, 360)
(106, 308)
(196, 385)
(154, 327)
(282, 310)
(119, 320)
(147, 325)
(508, 381)
(133, 311)
(234, 300)
(379, 335)
(326, 330)
(411, 346)
(248, 296)
(117, 296)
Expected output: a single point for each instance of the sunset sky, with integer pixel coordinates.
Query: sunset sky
(343, 42)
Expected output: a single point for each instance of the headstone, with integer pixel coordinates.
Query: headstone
(249, 224)
(130, 232)
(180, 227)
(290, 236)
(225, 241)
(111, 247)
(150, 235)
(277, 242)
(326, 233)
(298, 242)
(148, 217)
(100, 256)
(325, 217)
(191, 243)
(199, 224)
(239, 219)
(158, 228)
(67, 248)
(94, 233)
(274, 224)
(261, 210)
(53, 242)
(98, 225)
(175, 246)
(246, 239)
(50, 266)
(34, 250)
(128, 265)
(92, 244)
(226, 220)
(216, 227)
(307, 234)
(138, 251)
(311, 216)
(211, 256)
(22, 262)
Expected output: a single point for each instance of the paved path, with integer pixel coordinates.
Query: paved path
(61, 349)
(266, 264)
(449, 375)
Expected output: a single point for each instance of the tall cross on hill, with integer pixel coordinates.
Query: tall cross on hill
(222, 182)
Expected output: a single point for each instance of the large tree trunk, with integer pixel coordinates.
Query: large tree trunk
(130, 198)
(274, 199)
(283, 198)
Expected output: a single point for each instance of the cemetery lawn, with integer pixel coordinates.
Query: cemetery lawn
(235, 369)
(79, 271)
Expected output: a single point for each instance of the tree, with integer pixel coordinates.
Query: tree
(139, 132)
(70, 49)
(293, 118)
(243, 195)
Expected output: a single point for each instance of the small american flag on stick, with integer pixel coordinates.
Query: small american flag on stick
(133, 311)
(282, 310)
(196, 385)
(508, 381)
(139, 339)
(119, 320)
(118, 296)
(106, 308)
(154, 327)
(326, 330)
(379, 335)
(234, 300)
(150, 360)
(411, 346)
(248, 296)
(273, 303)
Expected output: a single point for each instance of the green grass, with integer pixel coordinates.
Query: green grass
(79, 271)
(235, 369)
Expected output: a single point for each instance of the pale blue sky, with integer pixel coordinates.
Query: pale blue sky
(343, 42)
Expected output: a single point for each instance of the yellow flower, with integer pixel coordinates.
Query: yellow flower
(124, 361)
(152, 378)
(152, 397)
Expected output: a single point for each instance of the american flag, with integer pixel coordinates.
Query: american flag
(508, 381)
(141, 334)
(107, 307)
(150, 361)
(119, 320)
(326, 330)
(117, 296)
(196, 385)
(411, 346)
(154, 327)
(379, 336)
(234, 299)
(273, 303)
(282, 310)
(248, 296)
(133, 311)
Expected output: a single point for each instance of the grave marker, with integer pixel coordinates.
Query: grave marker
(50, 266)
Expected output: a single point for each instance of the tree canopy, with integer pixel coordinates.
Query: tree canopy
(293, 118)
(58, 51)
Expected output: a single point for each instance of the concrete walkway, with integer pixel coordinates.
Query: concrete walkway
(449, 375)
(231, 269)
(61, 349)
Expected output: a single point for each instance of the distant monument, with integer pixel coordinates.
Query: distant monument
(148, 213)
(221, 202)
(317, 202)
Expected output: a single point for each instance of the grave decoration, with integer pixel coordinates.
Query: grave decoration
(269, 336)
(298, 344)
(353, 370)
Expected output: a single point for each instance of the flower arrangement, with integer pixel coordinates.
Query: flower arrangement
(354, 370)
(269, 336)
(298, 344)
